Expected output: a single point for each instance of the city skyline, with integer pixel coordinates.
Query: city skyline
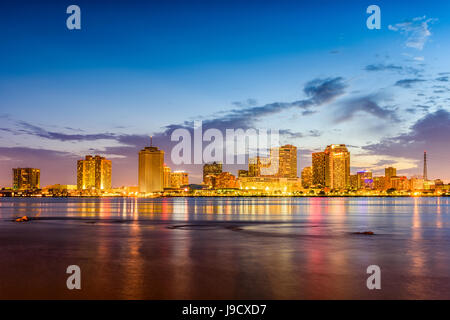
(330, 170)
(321, 77)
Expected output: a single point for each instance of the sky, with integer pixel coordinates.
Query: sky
(311, 69)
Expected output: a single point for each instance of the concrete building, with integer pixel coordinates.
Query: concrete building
(26, 178)
(151, 170)
(94, 173)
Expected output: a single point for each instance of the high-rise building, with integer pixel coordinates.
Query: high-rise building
(379, 183)
(225, 180)
(94, 173)
(214, 168)
(151, 170)
(365, 180)
(287, 161)
(425, 172)
(306, 177)
(337, 166)
(26, 178)
(166, 179)
(318, 168)
(390, 172)
(354, 180)
(178, 179)
(254, 167)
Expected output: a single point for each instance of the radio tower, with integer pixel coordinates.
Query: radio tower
(425, 175)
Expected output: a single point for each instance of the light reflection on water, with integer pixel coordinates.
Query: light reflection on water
(210, 248)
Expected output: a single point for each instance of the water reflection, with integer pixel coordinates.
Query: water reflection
(250, 248)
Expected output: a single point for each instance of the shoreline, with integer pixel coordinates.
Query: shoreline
(239, 196)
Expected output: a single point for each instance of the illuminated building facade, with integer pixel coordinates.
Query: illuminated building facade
(390, 172)
(26, 178)
(365, 180)
(214, 168)
(151, 170)
(307, 177)
(416, 183)
(287, 161)
(318, 168)
(178, 179)
(270, 184)
(399, 183)
(167, 172)
(337, 166)
(94, 173)
(379, 183)
(243, 173)
(226, 180)
(256, 166)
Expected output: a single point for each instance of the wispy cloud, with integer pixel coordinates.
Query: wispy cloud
(431, 132)
(368, 104)
(392, 67)
(408, 83)
(318, 92)
(417, 31)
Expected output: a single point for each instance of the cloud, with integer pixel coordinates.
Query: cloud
(368, 104)
(417, 31)
(56, 166)
(291, 134)
(377, 67)
(443, 79)
(383, 67)
(408, 83)
(430, 133)
(317, 91)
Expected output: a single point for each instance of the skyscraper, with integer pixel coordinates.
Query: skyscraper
(166, 178)
(425, 173)
(178, 179)
(337, 166)
(214, 168)
(26, 178)
(390, 172)
(306, 177)
(318, 168)
(151, 170)
(287, 161)
(365, 180)
(94, 173)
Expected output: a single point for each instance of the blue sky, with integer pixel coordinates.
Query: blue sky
(137, 67)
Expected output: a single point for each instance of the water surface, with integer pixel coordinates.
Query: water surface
(225, 248)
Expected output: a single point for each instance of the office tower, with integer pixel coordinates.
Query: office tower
(151, 170)
(225, 180)
(425, 174)
(337, 166)
(390, 172)
(254, 167)
(354, 181)
(287, 161)
(399, 183)
(306, 177)
(94, 173)
(178, 179)
(26, 178)
(214, 168)
(261, 166)
(318, 168)
(365, 180)
(166, 179)
(379, 183)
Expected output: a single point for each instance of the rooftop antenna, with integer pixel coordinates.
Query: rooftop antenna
(151, 141)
